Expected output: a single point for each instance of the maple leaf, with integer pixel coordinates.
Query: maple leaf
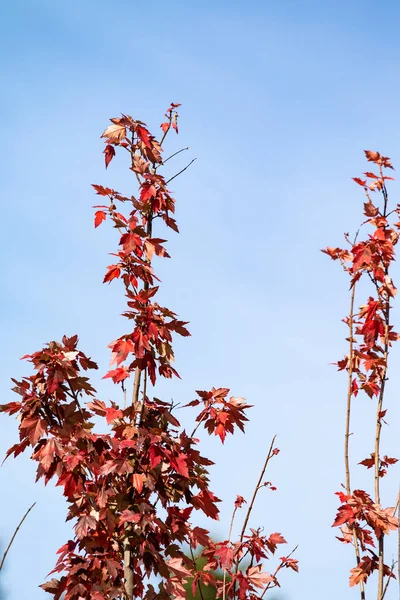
(51, 586)
(345, 514)
(109, 153)
(99, 217)
(144, 135)
(137, 481)
(118, 375)
(102, 191)
(85, 523)
(98, 407)
(258, 578)
(239, 501)
(147, 191)
(290, 563)
(179, 463)
(115, 133)
(363, 570)
(128, 516)
(361, 182)
(120, 350)
(113, 273)
(112, 414)
(225, 554)
(176, 566)
(370, 210)
(276, 538)
(205, 501)
(372, 156)
(368, 462)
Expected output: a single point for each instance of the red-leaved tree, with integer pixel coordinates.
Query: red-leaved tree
(133, 491)
(363, 521)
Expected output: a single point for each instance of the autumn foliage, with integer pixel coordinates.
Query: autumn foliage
(133, 491)
(363, 521)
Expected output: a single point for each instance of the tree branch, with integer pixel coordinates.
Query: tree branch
(181, 171)
(15, 533)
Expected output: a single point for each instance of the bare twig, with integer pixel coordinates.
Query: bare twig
(15, 533)
(398, 540)
(246, 520)
(181, 171)
(174, 154)
(349, 391)
(348, 418)
(389, 578)
(276, 572)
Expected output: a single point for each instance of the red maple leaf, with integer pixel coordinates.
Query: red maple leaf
(109, 153)
(99, 217)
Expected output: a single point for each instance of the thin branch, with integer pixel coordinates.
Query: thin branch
(15, 533)
(379, 410)
(277, 571)
(389, 578)
(198, 425)
(246, 520)
(181, 171)
(166, 131)
(348, 417)
(398, 541)
(195, 568)
(136, 386)
(349, 391)
(174, 154)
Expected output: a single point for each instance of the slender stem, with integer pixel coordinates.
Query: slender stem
(348, 418)
(195, 568)
(174, 154)
(277, 571)
(181, 171)
(229, 539)
(246, 520)
(349, 391)
(398, 541)
(378, 415)
(389, 578)
(15, 533)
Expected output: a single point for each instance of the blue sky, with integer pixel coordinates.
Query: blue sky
(279, 101)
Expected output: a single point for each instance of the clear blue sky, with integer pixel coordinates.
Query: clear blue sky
(279, 100)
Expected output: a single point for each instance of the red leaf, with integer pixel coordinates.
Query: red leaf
(118, 374)
(99, 217)
(102, 191)
(113, 273)
(143, 135)
(179, 463)
(128, 516)
(83, 525)
(276, 538)
(239, 501)
(112, 414)
(345, 514)
(109, 153)
(225, 554)
(176, 565)
(137, 481)
(257, 578)
(120, 350)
